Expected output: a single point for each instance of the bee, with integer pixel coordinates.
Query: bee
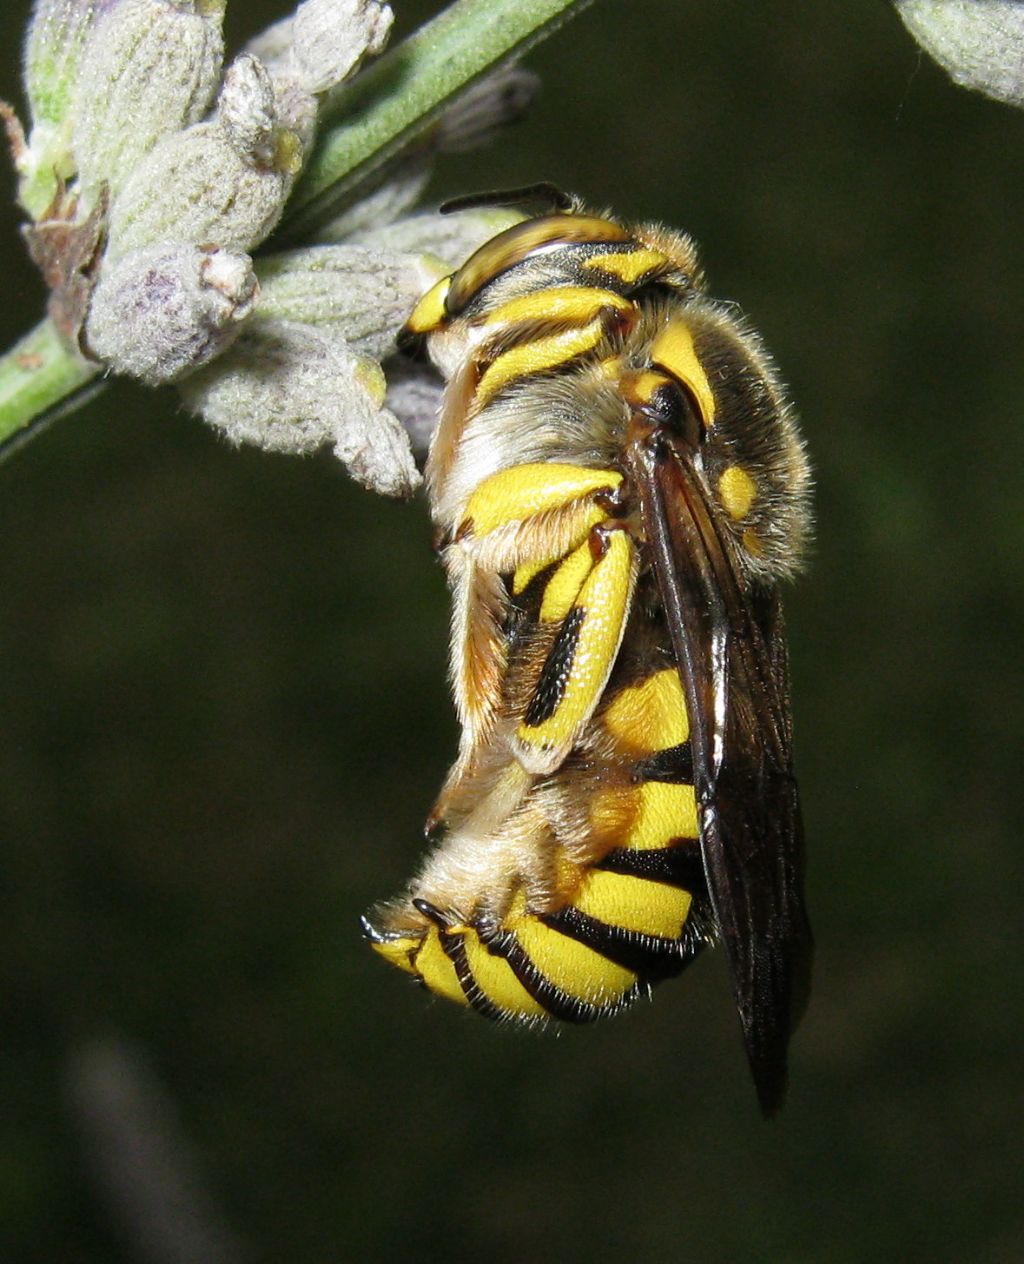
(619, 487)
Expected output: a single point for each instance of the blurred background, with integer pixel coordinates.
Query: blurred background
(224, 716)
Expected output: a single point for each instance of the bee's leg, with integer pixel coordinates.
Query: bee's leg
(517, 523)
(583, 651)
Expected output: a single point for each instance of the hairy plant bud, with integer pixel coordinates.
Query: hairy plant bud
(198, 186)
(162, 311)
(148, 68)
(331, 37)
(296, 115)
(287, 387)
(247, 109)
(363, 294)
(324, 41)
(273, 45)
(53, 47)
(153, 175)
(979, 42)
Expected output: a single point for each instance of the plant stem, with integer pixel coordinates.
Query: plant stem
(36, 374)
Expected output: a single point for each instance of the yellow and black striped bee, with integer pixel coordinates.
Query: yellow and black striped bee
(619, 487)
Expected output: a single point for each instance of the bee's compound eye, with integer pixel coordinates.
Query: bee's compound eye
(672, 406)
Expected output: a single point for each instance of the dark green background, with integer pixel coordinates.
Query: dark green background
(224, 715)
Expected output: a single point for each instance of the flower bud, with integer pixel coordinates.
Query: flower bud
(980, 45)
(287, 387)
(149, 67)
(167, 309)
(296, 115)
(373, 445)
(198, 186)
(247, 108)
(363, 294)
(331, 37)
(324, 41)
(273, 45)
(56, 36)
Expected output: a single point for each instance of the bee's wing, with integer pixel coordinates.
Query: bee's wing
(732, 659)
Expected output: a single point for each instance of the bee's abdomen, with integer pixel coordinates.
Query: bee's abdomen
(634, 916)
(594, 956)
(630, 922)
(637, 921)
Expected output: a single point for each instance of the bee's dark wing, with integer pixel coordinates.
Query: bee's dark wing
(731, 654)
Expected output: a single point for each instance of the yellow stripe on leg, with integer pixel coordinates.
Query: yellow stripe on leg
(578, 666)
(527, 572)
(562, 589)
(524, 490)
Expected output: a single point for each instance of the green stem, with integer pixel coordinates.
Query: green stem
(362, 126)
(36, 374)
